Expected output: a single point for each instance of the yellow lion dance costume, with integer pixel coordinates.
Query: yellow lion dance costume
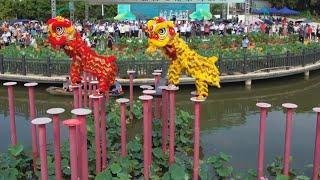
(162, 35)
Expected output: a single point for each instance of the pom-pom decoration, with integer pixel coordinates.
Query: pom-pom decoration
(62, 34)
(162, 36)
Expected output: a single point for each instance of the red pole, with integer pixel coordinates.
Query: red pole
(90, 91)
(164, 117)
(290, 107)
(123, 102)
(41, 122)
(103, 131)
(81, 114)
(172, 94)
(85, 90)
(56, 139)
(32, 114)
(316, 156)
(131, 75)
(157, 76)
(146, 148)
(262, 132)
(75, 89)
(13, 132)
(150, 93)
(72, 124)
(196, 148)
(96, 113)
(80, 96)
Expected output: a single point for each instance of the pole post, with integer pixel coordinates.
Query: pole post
(172, 95)
(103, 127)
(81, 114)
(262, 132)
(13, 131)
(196, 148)
(316, 157)
(96, 113)
(85, 90)
(1, 64)
(41, 122)
(75, 89)
(55, 112)
(72, 124)
(122, 102)
(131, 76)
(146, 166)
(286, 160)
(164, 117)
(32, 115)
(157, 76)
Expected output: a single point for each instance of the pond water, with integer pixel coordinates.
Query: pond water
(229, 118)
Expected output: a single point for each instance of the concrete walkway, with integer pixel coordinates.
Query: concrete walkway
(247, 78)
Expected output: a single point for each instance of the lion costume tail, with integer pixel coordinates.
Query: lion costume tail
(212, 72)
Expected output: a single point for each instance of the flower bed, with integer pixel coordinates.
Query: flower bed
(134, 49)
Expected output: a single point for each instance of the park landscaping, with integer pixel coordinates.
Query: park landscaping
(134, 49)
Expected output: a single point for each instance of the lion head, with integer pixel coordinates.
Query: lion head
(60, 31)
(160, 33)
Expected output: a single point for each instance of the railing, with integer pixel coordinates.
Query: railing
(144, 69)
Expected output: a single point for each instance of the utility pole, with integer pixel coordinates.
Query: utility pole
(86, 11)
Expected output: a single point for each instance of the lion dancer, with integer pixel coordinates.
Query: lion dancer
(62, 34)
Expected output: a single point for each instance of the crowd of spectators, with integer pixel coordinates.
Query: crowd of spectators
(25, 34)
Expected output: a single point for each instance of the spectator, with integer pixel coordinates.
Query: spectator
(245, 42)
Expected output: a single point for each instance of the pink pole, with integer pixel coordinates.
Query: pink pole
(103, 132)
(72, 124)
(123, 102)
(172, 93)
(146, 134)
(262, 132)
(75, 89)
(149, 129)
(164, 117)
(196, 147)
(13, 132)
(41, 122)
(81, 114)
(90, 91)
(85, 90)
(80, 96)
(55, 112)
(316, 157)
(290, 107)
(97, 130)
(131, 74)
(32, 114)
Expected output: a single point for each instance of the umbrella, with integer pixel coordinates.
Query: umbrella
(265, 10)
(125, 16)
(201, 14)
(256, 11)
(287, 11)
(274, 10)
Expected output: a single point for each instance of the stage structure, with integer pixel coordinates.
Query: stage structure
(147, 9)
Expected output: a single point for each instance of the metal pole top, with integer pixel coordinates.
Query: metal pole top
(316, 109)
(131, 72)
(10, 83)
(156, 74)
(289, 105)
(95, 96)
(41, 121)
(94, 82)
(31, 84)
(81, 111)
(193, 93)
(163, 87)
(122, 100)
(195, 99)
(55, 111)
(75, 86)
(146, 87)
(71, 122)
(172, 88)
(145, 97)
(158, 71)
(263, 105)
(149, 92)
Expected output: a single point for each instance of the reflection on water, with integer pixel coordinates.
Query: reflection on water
(229, 118)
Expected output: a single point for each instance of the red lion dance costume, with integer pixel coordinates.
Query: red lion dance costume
(62, 34)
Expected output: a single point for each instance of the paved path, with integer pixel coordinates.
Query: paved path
(184, 80)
